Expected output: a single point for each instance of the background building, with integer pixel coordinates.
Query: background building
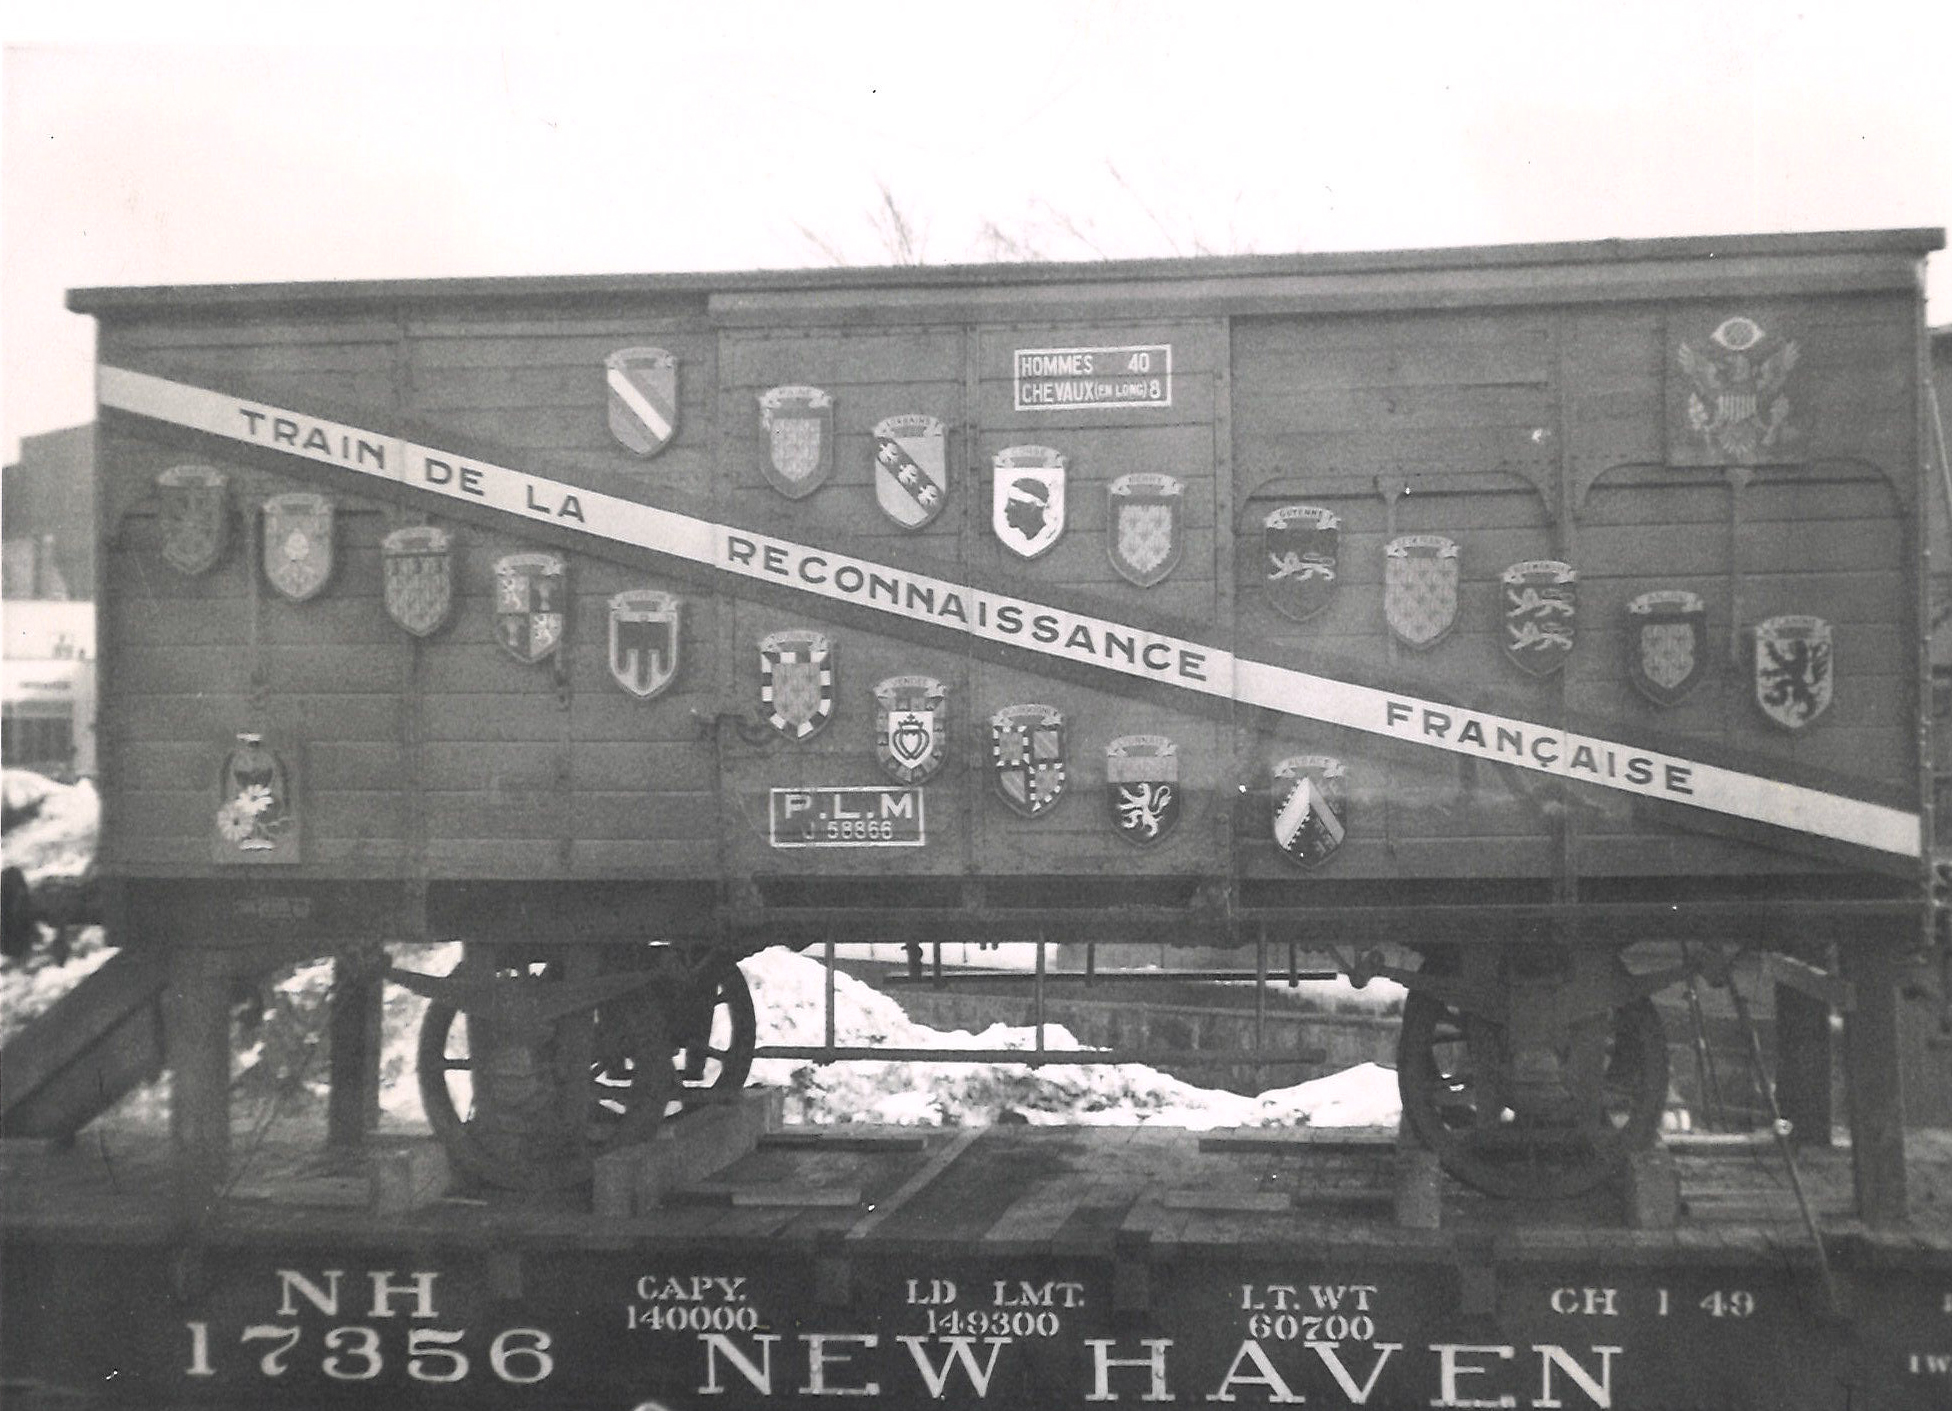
(47, 614)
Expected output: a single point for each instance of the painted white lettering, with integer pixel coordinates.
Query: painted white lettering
(759, 1375)
(937, 1378)
(1599, 1391)
(420, 1285)
(1449, 1369)
(1102, 1363)
(1332, 1359)
(1278, 1391)
(819, 1359)
(326, 1299)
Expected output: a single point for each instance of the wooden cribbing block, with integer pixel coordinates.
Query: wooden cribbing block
(1419, 1189)
(638, 1178)
(1652, 1190)
(408, 1176)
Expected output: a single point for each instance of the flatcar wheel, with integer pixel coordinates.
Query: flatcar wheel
(1454, 1074)
(547, 1121)
(715, 1057)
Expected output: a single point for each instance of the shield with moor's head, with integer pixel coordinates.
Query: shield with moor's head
(912, 738)
(1539, 608)
(1027, 498)
(195, 512)
(1420, 588)
(643, 400)
(1142, 787)
(1667, 643)
(1027, 754)
(644, 637)
(1794, 669)
(911, 477)
(1145, 523)
(298, 543)
(796, 682)
(1299, 545)
(418, 568)
(800, 439)
(1310, 793)
(531, 605)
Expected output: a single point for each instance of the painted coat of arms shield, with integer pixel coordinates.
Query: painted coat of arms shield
(195, 514)
(911, 476)
(643, 398)
(1540, 604)
(1667, 643)
(796, 682)
(257, 808)
(531, 605)
(1145, 526)
(1142, 787)
(417, 566)
(800, 439)
(1027, 498)
(1027, 754)
(1299, 542)
(298, 543)
(912, 740)
(1730, 396)
(1420, 573)
(644, 636)
(1795, 661)
(1310, 795)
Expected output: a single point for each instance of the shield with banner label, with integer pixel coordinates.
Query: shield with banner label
(1027, 498)
(911, 477)
(1299, 542)
(195, 514)
(643, 401)
(531, 605)
(800, 439)
(912, 739)
(644, 637)
(1145, 526)
(418, 572)
(796, 682)
(1142, 787)
(1310, 794)
(1794, 669)
(1539, 607)
(1027, 752)
(1420, 574)
(298, 543)
(1667, 643)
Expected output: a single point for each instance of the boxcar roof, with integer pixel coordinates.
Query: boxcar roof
(1849, 259)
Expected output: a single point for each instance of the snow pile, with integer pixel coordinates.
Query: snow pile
(56, 837)
(30, 987)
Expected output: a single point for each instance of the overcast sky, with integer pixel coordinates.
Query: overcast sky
(435, 139)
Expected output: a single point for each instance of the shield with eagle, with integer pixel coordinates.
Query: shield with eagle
(1142, 787)
(195, 514)
(1420, 574)
(298, 543)
(1667, 643)
(796, 682)
(911, 477)
(1027, 754)
(1298, 544)
(1794, 669)
(800, 439)
(643, 398)
(644, 637)
(418, 573)
(531, 605)
(1730, 398)
(1145, 522)
(1310, 794)
(1539, 609)
(1027, 498)
(912, 739)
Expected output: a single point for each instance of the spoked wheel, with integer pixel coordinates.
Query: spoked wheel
(1532, 1125)
(717, 1036)
(532, 1111)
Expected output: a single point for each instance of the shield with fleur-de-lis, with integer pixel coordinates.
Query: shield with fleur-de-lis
(1298, 544)
(1795, 661)
(911, 477)
(1027, 755)
(796, 682)
(1667, 643)
(643, 398)
(1142, 787)
(298, 543)
(1310, 794)
(1144, 525)
(1420, 574)
(195, 514)
(1539, 610)
(800, 439)
(644, 638)
(531, 605)
(417, 566)
(912, 740)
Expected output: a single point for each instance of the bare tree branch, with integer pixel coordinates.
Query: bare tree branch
(1126, 186)
(833, 256)
(1071, 228)
(897, 232)
(1002, 246)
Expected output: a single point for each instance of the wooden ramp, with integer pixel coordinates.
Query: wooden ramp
(77, 1060)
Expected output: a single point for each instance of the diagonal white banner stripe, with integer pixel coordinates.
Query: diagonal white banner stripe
(1019, 622)
(635, 399)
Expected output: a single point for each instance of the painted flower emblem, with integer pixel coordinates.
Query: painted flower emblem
(238, 819)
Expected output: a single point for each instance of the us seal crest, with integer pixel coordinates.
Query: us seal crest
(298, 543)
(911, 477)
(1420, 573)
(1142, 787)
(1730, 403)
(195, 515)
(1310, 793)
(1145, 526)
(1794, 669)
(644, 638)
(912, 740)
(796, 682)
(800, 439)
(531, 605)
(1027, 498)
(643, 398)
(1539, 609)
(1300, 544)
(1027, 753)
(1667, 643)
(417, 567)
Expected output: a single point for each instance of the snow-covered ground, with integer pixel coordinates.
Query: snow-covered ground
(59, 840)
